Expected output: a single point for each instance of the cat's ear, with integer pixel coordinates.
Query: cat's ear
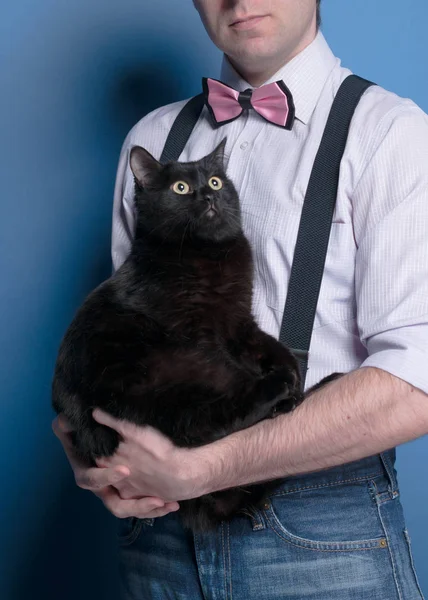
(217, 155)
(143, 165)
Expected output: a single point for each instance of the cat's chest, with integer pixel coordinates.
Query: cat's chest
(210, 298)
(213, 283)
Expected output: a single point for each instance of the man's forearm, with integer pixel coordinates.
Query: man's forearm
(364, 412)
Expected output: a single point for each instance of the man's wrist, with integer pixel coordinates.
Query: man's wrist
(214, 462)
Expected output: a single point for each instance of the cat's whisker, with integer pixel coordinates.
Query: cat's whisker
(232, 210)
(234, 218)
(246, 212)
(182, 239)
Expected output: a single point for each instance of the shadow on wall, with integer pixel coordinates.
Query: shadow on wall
(66, 548)
(137, 92)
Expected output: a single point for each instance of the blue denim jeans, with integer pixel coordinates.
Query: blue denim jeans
(336, 534)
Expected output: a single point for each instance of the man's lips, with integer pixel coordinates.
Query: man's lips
(247, 22)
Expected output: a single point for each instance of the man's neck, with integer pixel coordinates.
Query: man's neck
(258, 74)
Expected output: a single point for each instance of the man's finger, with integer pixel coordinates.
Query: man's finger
(143, 508)
(88, 478)
(161, 512)
(104, 418)
(172, 506)
(96, 479)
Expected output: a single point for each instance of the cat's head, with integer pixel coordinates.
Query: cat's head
(185, 201)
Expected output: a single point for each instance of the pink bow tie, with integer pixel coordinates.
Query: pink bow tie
(273, 102)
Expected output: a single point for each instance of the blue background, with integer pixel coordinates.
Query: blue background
(75, 76)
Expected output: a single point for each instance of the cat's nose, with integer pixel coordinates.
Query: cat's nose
(212, 208)
(211, 202)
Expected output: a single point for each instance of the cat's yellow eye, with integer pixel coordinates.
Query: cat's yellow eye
(215, 183)
(181, 187)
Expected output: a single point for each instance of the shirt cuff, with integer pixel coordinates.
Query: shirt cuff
(403, 353)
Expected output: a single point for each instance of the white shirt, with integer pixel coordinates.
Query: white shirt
(373, 304)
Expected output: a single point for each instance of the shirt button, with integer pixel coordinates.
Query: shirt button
(243, 145)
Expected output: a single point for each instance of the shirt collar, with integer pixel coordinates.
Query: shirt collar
(305, 76)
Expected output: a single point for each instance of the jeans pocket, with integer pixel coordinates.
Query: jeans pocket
(332, 517)
(129, 529)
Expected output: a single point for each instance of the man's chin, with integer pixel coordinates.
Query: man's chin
(256, 47)
(252, 56)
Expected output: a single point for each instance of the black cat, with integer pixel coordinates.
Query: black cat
(169, 340)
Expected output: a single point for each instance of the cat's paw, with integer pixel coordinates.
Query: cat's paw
(282, 381)
(286, 405)
(275, 383)
(284, 390)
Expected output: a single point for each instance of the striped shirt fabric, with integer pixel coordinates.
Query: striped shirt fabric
(373, 303)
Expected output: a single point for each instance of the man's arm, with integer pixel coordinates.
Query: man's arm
(363, 413)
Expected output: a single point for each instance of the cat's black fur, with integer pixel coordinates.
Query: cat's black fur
(169, 340)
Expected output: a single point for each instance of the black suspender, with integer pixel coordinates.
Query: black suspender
(182, 128)
(317, 213)
(315, 224)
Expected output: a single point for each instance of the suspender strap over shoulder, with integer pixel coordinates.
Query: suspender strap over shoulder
(182, 128)
(315, 224)
(317, 213)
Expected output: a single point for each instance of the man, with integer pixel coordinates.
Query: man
(335, 529)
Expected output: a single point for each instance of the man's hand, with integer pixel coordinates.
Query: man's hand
(103, 482)
(157, 467)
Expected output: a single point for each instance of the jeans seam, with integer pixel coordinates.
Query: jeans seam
(229, 560)
(224, 560)
(330, 484)
(412, 563)
(394, 571)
